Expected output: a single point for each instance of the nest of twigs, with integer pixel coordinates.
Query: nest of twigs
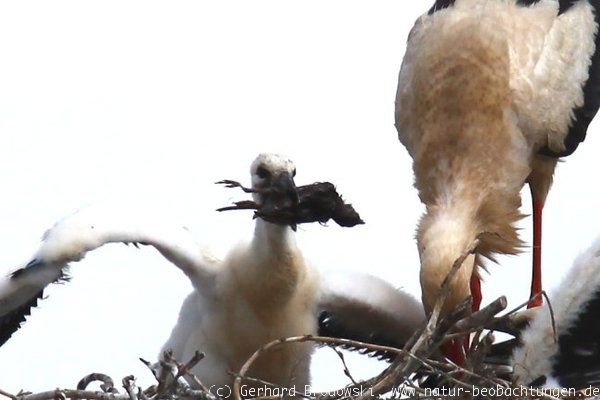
(415, 371)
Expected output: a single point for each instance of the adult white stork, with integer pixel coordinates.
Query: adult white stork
(570, 356)
(262, 291)
(491, 94)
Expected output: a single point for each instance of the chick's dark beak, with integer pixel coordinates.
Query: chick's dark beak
(282, 193)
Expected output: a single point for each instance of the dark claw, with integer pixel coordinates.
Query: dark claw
(235, 184)
(229, 183)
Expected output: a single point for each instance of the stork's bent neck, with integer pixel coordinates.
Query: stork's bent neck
(444, 234)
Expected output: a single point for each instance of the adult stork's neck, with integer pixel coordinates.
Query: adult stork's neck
(444, 235)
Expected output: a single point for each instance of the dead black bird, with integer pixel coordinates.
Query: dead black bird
(317, 202)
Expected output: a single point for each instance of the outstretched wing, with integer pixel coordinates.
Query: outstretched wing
(367, 309)
(572, 358)
(71, 238)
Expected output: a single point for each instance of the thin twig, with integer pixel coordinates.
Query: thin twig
(6, 394)
(480, 318)
(346, 370)
(129, 386)
(107, 386)
(300, 339)
(152, 369)
(74, 395)
(183, 370)
(424, 345)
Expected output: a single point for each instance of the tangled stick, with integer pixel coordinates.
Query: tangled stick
(426, 343)
(168, 387)
(335, 342)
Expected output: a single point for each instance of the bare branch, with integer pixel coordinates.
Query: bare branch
(343, 360)
(107, 386)
(129, 386)
(429, 340)
(6, 394)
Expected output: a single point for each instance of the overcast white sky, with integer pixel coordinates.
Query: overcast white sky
(154, 101)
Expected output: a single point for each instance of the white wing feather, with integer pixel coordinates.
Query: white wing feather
(539, 348)
(366, 308)
(70, 239)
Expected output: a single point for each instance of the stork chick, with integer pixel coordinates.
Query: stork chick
(262, 290)
(490, 95)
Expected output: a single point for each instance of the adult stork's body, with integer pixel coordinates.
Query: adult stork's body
(262, 291)
(491, 94)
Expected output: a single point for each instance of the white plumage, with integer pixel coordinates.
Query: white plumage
(490, 94)
(572, 357)
(263, 290)
(548, 57)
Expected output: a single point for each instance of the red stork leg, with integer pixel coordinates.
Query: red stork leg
(475, 285)
(456, 349)
(536, 276)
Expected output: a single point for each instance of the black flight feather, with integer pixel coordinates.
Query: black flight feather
(440, 5)
(564, 5)
(11, 322)
(577, 363)
(331, 325)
